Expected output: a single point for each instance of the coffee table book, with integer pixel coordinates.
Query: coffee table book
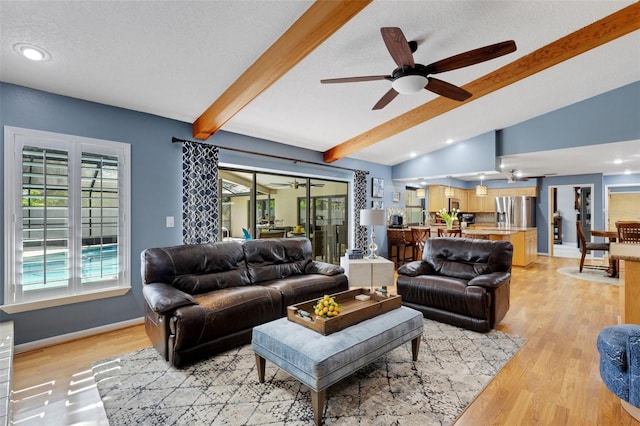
(352, 311)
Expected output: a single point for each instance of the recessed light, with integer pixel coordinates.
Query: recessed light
(32, 52)
(449, 141)
(627, 172)
(617, 161)
(413, 154)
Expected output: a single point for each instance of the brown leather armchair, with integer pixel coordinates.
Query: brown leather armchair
(460, 281)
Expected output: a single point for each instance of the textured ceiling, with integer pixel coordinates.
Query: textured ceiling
(173, 59)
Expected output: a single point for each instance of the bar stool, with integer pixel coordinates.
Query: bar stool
(419, 237)
(395, 238)
(442, 232)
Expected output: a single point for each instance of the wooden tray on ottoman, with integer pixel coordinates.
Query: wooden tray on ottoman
(352, 311)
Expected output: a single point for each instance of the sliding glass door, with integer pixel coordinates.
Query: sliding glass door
(268, 205)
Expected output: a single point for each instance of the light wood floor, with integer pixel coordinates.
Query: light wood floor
(552, 380)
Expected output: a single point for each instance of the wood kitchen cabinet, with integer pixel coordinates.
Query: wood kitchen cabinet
(486, 204)
(525, 247)
(437, 200)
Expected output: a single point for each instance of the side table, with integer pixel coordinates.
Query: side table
(368, 272)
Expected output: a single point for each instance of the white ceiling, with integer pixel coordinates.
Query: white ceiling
(174, 58)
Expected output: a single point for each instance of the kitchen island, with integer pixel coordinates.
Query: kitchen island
(524, 240)
(629, 257)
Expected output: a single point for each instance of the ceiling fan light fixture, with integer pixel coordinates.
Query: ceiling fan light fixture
(409, 84)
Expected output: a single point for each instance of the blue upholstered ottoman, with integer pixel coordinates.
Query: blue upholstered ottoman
(319, 361)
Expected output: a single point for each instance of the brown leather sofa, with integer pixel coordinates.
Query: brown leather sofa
(206, 298)
(460, 281)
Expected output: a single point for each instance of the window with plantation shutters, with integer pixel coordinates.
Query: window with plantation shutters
(67, 238)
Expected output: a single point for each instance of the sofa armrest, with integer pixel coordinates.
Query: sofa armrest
(633, 358)
(413, 269)
(492, 280)
(163, 298)
(323, 268)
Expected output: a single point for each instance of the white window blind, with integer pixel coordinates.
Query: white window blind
(67, 201)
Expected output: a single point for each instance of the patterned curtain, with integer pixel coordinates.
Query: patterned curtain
(200, 204)
(359, 203)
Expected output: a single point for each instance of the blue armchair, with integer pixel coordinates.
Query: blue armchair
(619, 348)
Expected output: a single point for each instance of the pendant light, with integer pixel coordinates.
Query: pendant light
(481, 190)
(449, 192)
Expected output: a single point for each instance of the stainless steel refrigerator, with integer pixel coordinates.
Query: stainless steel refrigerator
(519, 212)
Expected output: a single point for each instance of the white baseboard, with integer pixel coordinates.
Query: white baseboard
(76, 335)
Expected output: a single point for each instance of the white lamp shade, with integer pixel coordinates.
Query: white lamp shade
(409, 84)
(449, 192)
(481, 190)
(372, 217)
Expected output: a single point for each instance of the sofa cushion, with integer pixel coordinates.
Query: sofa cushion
(276, 258)
(224, 312)
(197, 268)
(296, 289)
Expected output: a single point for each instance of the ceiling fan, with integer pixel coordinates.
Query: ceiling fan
(295, 184)
(411, 78)
(516, 176)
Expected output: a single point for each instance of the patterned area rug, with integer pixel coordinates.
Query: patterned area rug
(454, 365)
(593, 275)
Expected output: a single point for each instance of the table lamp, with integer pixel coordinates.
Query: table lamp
(372, 217)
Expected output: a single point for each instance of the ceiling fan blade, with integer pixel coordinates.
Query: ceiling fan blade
(472, 57)
(397, 46)
(384, 100)
(447, 89)
(356, 79)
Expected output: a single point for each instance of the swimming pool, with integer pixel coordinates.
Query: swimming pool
(98, 263)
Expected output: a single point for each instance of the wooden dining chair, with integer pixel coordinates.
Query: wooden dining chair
(585, 246)
(628, 232)
(452, 233)
(419, 237)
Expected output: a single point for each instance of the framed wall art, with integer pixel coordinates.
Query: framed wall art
(377, 187)
(378, 205)
(395, 197)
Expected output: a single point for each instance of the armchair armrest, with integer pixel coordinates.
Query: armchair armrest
(413, 269)
(163, 298)
(492, 280)
(323, 268)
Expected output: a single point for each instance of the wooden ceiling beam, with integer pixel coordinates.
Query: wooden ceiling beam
(607, 29)
(318, 22)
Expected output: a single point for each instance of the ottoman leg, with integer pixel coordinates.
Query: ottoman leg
(415, 346)
(260, 363)
(317, 403)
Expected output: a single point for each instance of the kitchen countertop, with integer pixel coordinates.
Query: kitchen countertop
(493, 227)
(625, 251)
(496, 231)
